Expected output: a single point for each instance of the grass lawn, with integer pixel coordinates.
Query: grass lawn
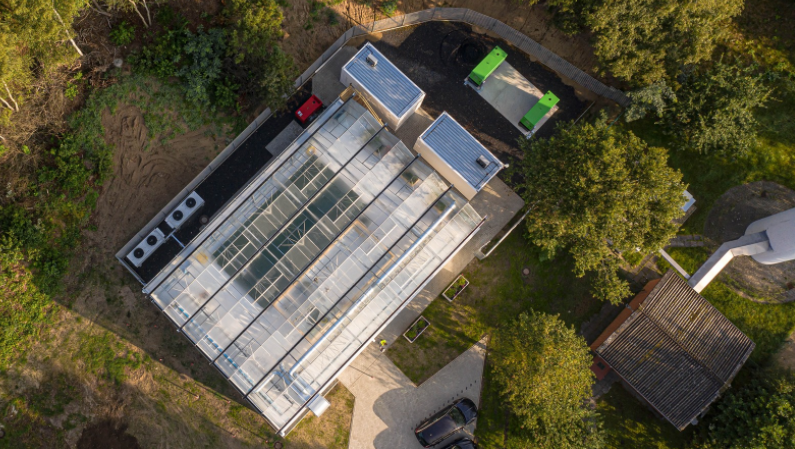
(497, 293)
(332, 430)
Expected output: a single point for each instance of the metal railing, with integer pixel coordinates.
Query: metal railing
(517, 39)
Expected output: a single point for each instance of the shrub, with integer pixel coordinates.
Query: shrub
(203, 52)
(256, 26)
(389, 7)
(122, 34)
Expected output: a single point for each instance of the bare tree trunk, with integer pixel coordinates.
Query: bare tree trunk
(98, 9)
(135, 7)
(6, 103)
(148, 16)
(66, 30)
(16, 105)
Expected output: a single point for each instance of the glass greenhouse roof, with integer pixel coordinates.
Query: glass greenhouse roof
(318, 257)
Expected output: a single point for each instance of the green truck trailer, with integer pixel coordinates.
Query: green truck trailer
(539, 110)
(488, 65)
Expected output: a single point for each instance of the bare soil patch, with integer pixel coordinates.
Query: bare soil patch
(147, 174)
(728, 219)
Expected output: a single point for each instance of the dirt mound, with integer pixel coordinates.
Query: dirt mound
(147, 174)
(728, 219)
(107, 435)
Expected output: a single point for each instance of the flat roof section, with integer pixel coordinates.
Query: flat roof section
(383, 81)
(513, 96)
(461, 152)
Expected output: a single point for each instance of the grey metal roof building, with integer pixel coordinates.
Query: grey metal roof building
(394, 96)
(674, 349)
(291, 280)
(452, 150)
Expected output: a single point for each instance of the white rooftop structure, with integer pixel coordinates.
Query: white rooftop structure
(390, 92)
(769, 241)
(291, 280)
(457, 155)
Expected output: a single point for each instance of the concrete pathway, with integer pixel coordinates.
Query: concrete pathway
(389, 406)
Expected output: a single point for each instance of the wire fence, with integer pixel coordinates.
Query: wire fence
(517, 39)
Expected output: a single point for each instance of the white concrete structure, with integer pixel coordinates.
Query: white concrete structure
(769, 241)
(780, 230)
(390, 92)
(512, 95)
(457, 155)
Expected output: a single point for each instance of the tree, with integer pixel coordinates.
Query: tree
(256, 27)
(715, 111)
(263, 70)
(128, 5)
(33, 31)
(641, 41)
(543, 370)
(598, 191)
(759, 415)
(652, 98)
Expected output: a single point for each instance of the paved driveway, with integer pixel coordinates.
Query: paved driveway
(389, 406)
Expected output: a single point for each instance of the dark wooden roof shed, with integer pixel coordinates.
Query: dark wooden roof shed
(674, 349)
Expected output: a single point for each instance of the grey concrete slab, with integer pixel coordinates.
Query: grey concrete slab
(326, 82)
(284, 138)
(512, 95)
(388, 406)
(499, 204)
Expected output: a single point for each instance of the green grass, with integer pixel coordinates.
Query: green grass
(497, 293)
(710, 176)
(630, 424)
(106, 357)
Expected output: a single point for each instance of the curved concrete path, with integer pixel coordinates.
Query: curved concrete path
(389, 406)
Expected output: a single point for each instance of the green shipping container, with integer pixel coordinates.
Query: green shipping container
(488, 65)
(537, 112)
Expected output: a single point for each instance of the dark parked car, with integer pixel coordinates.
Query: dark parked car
(465, 443)
(445, 423)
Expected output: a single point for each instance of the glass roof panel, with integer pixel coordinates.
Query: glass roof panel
(263, 213)
(353, 321)
(268, 273)
(333, 274)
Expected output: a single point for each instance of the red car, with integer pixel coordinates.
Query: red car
(308, 110)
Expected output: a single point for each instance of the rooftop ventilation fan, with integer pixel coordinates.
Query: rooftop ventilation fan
(483, 162)
(184, 211)
(371, 60)
(146, 247)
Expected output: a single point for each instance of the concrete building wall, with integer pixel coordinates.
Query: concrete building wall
(392, 120)
(444, 169)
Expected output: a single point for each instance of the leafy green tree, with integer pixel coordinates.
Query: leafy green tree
(264, 72)
(641, 41)
(256, 26)
(759, 415)
(715, 111)
(543, 370)
(653, 98)
(597, 191)
(203, 52)
(33, 30)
